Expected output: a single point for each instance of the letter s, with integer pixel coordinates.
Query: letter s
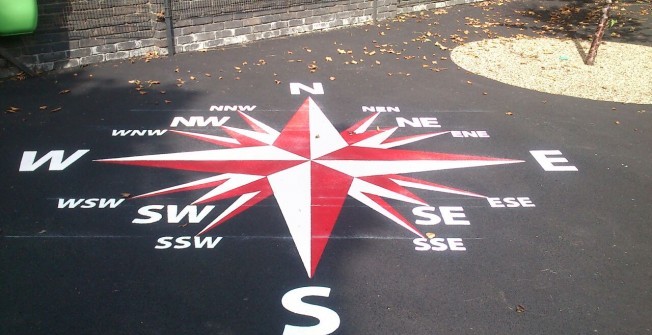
(329, 321)
(164, 242)
(149, 212)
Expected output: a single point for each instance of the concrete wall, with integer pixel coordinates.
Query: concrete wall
(73, 33)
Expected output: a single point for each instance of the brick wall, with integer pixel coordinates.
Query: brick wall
(73, 33)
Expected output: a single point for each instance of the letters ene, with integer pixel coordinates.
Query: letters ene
(329, 321)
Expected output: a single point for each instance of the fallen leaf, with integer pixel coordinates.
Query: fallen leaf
(331, 78)
(520, 308)
(340, 51)
(176, 70)
(167, 101)
(64, 92)
(509, 113)
(207, 74)
(277, 81)
(55, 110)
(469, 82)
(378, 62)
(12, 109)
(617, 122)
(43, 231)
(431, 235)
(125, 195)
(329, 59)
(43, 107)
(192, 78)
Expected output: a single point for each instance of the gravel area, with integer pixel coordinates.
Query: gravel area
(622, 72)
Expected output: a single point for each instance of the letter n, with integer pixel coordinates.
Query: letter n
(317, 88)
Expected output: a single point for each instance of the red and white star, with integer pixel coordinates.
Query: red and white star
(310, 168)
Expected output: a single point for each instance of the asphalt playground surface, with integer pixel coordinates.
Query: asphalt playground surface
(532, 211)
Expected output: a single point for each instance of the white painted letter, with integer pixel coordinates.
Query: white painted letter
(452, 214)
(317, 88)
(425, 212)
(329, 321)
(148, 211)
(164, 242)
(547, 162)
(57, 163)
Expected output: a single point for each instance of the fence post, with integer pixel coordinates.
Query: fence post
(169, 27)
(375, 13)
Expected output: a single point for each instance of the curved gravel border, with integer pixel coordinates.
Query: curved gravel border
(622, 72)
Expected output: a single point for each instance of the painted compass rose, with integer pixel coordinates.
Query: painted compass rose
(310, 168)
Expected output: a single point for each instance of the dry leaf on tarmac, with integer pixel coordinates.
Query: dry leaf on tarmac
(431, 235)
(277, 81)
(12, 109)
(329, 59)
(44, 107)
(125, 195)
(64, 92)
(509, 113)
(520, 308)
(332, 78)
(55, 110)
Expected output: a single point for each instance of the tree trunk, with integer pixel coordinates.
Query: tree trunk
(599, 32)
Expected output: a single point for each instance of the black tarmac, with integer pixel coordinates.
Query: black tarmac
(568, 254)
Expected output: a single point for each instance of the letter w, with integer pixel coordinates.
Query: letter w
(55, 157)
